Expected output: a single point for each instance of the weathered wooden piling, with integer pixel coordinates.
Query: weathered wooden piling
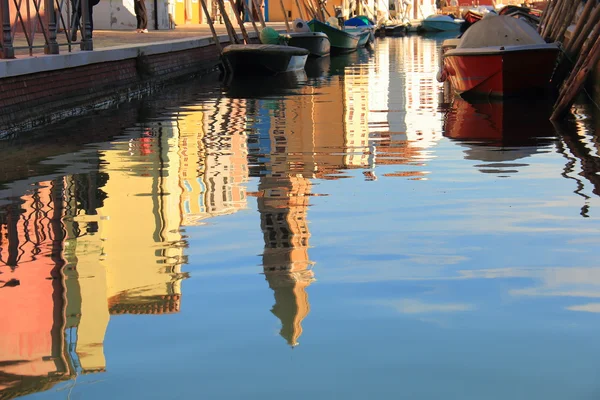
(285, 17)
(211, 25)
(259, 13)
(580, 55)
(228, 25)
(300, 10)
(576, 83)
(251, 17)
(240, 22)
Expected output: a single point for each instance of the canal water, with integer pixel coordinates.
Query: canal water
(348, 233)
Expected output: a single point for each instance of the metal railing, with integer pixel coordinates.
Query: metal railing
(26, 22)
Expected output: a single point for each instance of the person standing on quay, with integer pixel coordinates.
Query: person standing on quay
(140, 14)
(76, 17)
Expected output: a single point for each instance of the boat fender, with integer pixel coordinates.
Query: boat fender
(300, 26)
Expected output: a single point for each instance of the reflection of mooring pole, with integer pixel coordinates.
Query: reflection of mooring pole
(565, 174)
(12, 232)
(58, 292)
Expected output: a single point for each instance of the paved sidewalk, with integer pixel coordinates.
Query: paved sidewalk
(111, 38)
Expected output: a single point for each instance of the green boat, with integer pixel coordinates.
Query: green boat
(341, 41)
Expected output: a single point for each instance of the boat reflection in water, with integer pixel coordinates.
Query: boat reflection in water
(243, 87)
(499, 131)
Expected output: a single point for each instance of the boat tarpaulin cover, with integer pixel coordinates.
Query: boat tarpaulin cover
(499, 30)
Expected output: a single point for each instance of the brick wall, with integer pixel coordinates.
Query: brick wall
(34, 100)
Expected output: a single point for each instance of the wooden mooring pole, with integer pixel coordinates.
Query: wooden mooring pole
(261, 18)
(228, 25)
(582, 52)
(568, 97)
(240, 22)
(211, 25)
(251, 17)
(285, 17)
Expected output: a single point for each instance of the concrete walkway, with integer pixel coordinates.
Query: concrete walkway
(111, 38)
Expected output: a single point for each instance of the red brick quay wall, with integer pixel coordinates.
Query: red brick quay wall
(38, 91)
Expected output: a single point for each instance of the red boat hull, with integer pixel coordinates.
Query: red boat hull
(500, 73)
(471, 17)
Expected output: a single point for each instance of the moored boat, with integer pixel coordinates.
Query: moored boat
(396, 30)
(499, 56)
(317, 43)
(440, 23)
(358, 23)
(364, 34)
(264, 59)
(341, 41)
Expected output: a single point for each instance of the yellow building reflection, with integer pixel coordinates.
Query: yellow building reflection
(213, 155)
(80, 248)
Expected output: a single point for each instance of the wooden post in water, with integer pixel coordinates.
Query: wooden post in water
(212, 28)
(581, 35)
(560, 34)
(576, 43)
(566, 99)
(318, 10)
(230, 30)
(580, 25)
(581, 59)
(249, 12)
(560, 18)
(259, 13)
(309, 9)
(240, 22)
(552, 18)
(300, 10)
(287, 23)
(545, 16)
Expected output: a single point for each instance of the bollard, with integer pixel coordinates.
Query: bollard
(51, 46)
(86, 40)
(7, 50)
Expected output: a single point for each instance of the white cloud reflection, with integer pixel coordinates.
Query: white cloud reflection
(415, 306)
(590, 307)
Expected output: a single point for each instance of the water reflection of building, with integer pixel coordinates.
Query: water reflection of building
(283, 199)
(214, 166)
(423, 118)
(80, 248)
(33, 345)
(400, 106)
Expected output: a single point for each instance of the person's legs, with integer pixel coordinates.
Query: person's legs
(144, 17)
(75, 18)
(91, 16)
(138, 13)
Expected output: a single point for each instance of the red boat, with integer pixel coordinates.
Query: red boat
(499, 56)
(472, 16)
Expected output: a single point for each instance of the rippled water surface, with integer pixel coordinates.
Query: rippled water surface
(348, 233)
